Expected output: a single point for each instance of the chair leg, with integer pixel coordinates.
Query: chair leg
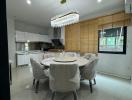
(37, 86)
(53, 95)
(75, 95)
(94, 81)
(90, 84)
(33, 82)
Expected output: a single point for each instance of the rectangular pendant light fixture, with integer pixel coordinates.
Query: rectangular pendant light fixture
(65, 19)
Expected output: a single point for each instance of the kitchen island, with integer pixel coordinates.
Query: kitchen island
(23, 57)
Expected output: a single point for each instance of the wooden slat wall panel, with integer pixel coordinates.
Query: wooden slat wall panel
(94, 36)
(127, 22)
(88, 37)
(114, 20)
(72, 40)
(118, 17)
(83, 36)
(105, 19)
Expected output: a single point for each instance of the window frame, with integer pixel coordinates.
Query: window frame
(124, 44)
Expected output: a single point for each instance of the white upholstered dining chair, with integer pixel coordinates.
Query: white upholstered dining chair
(88, 72)
(71, 54)
(49, 55)
(88, 56)
(38, 73)
(64, 78)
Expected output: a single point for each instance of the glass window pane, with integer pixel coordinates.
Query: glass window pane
(111, 40)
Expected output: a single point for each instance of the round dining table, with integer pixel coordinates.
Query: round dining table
(80, 61)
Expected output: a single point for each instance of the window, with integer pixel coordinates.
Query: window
(113, 40)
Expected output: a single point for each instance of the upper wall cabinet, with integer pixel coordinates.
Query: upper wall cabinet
(118, 17)
(20, 36)
(44, 38)
(32, 37)
(105, 20)
(114, 20)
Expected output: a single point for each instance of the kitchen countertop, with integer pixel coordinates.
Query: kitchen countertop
(29, 52)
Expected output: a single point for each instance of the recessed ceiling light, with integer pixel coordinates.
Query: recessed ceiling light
(29, 2)
(99, 1)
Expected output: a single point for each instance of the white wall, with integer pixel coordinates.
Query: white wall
(26, 27)
(51, 33)
(118, 64)
(11, 40)
(63, 35)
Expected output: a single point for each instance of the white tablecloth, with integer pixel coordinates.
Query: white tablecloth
(80, 61)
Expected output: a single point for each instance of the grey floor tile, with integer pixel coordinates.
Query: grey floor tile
(107, 88)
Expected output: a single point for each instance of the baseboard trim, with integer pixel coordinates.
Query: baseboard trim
(116, 75)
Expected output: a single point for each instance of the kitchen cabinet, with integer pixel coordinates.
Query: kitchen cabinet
(44, 38)
(118, 17)
(32, 37)
(114, 20)
(20, 36)
(22, 59)
(105, 20)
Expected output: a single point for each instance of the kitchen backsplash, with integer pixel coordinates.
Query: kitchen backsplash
(20, 46)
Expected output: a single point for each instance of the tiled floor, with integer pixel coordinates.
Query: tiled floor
(107, 88)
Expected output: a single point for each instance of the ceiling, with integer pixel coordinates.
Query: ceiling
(41, 11)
